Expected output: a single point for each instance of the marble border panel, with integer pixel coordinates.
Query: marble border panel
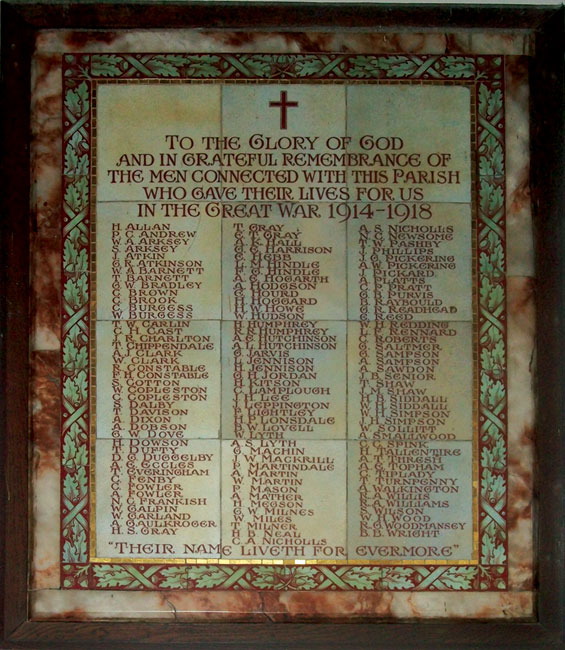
(46, 120)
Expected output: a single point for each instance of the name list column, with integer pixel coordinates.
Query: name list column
(410, 341)
(157, 327)
(284, 330)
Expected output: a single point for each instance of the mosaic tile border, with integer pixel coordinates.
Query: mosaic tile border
(485, 73)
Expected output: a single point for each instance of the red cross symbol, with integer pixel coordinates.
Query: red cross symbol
(283, 104)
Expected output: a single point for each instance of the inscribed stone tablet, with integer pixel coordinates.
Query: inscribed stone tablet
(284, 333)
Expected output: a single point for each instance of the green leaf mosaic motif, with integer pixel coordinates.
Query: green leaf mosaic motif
(483, 76)
(74, 442)
(282, 578)
(492, 328)
(273, 66)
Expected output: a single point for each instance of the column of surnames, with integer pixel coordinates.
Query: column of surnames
(284, 322)
(410, 369)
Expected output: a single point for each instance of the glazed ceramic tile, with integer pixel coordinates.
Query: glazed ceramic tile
(410, 381)
(163, 502)
(283, 380)
(149, 158)
(158, 379)
(159, 269)
(278, 497)
(410, 261)
(410, 501)
(286, 128)
(406, 156)
(271, 226)
(279, 268)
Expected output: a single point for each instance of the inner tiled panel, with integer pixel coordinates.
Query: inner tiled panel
(276, 279)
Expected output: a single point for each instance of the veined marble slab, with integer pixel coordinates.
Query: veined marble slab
(516, 599)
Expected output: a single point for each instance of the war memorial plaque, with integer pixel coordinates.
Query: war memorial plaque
(284, 304)
(284, 363)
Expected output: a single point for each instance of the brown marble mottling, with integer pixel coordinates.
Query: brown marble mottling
(46, 129)
(46, 280)
(287, 606)
(520, 249)
(518, 42)
(47, 600)
(233, 606)
(369, 42)
(45, 406)
(521, 332)
(458, 43)
(278, 606)
(386, 43)
(162, 40)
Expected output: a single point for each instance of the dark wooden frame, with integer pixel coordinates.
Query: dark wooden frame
(20, 21)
